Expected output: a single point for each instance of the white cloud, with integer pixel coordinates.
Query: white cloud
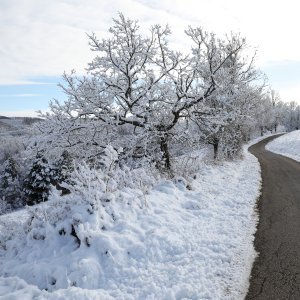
(44, 38)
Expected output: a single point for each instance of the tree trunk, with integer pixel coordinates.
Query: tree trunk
(164, 147)
(216, 146)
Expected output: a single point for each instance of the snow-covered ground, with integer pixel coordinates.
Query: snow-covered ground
(287, 145)
(172, 243)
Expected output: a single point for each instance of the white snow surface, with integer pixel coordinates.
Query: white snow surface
(287, 145)
(172, 243)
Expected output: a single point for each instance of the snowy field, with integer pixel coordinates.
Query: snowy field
(172, 243)
(287, 145)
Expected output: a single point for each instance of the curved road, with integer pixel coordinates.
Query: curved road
(276, 271)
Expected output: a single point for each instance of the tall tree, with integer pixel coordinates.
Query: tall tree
(138, 91)
(223, 116)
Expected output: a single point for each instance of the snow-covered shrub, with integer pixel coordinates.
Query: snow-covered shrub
(90, 183)
(5, 207)
(143, 178)
(44, 173)
(63, 167)
(74, 229)
(10, 146)
(111, 176)
(92, 194)
(231, 143)
(188, 165)
(38, 181)
(10, 172)
(10, 186)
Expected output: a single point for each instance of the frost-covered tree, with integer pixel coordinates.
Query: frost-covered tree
(62, 169)
(10, 185)
(291, 119)
(10, 172)
(38, 182)
(224, 116)
(136, 94)
(272, 112)
(276, 108)
(126, 87)
(265, 115)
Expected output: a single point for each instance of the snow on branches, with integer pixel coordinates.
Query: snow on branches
(139, 94)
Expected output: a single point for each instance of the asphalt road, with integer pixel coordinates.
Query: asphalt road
(276, 271)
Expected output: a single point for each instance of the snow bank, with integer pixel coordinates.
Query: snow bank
(287, 145)
(171, 243)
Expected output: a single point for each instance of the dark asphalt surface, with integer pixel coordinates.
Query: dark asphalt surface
(276, 271)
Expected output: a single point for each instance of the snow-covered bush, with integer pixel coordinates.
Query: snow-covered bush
(77, 225)
(188, 165)
(231, 143)
(38, 182)
(92, 191)
(11, 195)
(44, 173)
(11, 146)
(110, 176)
(5, 206)
(63, 167)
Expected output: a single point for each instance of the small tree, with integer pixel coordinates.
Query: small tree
(10, 188)
(10, 172)
(63, 168)
(38, 181)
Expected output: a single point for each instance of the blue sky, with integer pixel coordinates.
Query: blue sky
(19, 99)
(283, 73)
(42, 39)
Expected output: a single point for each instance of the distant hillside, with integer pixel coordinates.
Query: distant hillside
(5, 126)
(16, 125)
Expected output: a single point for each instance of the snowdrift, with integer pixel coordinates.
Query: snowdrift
(172, 242)
(287, 145)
